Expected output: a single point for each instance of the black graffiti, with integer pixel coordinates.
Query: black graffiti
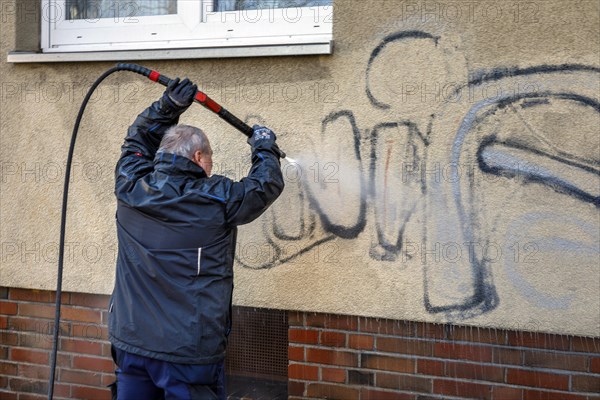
(352, 230)
(390, 243)
(379, 149)
(485, 297)
(403, 35)
(501, 73)
(386, 247)
(306, 227)
(531, 175)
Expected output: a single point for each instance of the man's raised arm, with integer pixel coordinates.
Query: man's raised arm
(144, 135)
(250, 197)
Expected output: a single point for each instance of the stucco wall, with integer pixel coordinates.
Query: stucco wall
(448, 165)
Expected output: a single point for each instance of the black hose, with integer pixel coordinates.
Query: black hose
(63, 222)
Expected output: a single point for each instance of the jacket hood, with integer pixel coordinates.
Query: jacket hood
(172, 164)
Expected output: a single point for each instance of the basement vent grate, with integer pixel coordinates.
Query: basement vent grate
(258, 344)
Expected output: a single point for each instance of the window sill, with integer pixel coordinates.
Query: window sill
(173, 54)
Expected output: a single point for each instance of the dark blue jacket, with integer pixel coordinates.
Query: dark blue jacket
(176, 229)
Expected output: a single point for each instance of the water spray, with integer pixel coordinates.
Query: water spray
(155, 76)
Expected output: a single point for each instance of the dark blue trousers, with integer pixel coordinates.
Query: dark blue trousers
(141, 377)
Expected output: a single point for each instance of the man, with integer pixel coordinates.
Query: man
(170, 312)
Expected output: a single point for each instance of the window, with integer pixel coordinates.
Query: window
(98, 25)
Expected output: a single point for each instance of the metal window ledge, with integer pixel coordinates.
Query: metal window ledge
(173, 54)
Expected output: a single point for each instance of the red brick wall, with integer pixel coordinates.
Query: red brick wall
(84, 365)
(346, 357)
(336, 357)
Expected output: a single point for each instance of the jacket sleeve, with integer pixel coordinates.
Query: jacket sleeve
(142, 141)
(251, 196)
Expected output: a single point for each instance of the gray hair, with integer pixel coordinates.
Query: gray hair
(184, 140)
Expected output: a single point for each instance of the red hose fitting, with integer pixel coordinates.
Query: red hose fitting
(154, 76)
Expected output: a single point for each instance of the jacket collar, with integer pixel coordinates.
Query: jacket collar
(173, 164)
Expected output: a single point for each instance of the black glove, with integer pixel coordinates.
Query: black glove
(264, 139)
(261, 135)
(181, 94)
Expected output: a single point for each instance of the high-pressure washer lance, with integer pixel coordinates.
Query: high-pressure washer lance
(200, 97)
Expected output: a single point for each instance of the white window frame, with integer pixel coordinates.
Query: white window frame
(195, 25)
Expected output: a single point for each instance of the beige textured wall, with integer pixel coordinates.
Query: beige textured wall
(448, 153)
